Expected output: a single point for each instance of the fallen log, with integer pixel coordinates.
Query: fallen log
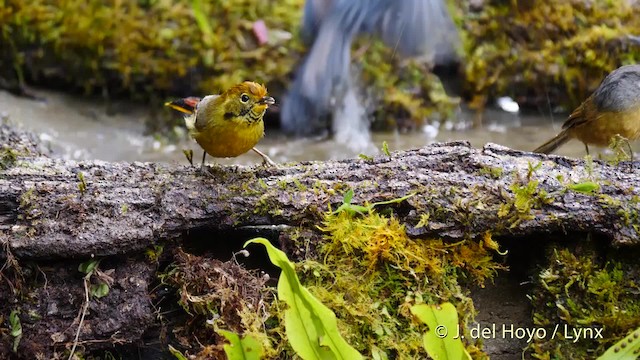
(53, 208)
(56, 214)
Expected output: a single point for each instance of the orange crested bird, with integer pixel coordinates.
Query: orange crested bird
(230, 124)
(612, 110)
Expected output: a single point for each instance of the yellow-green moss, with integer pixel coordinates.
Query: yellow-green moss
(551, 49)
(144, 46)
(581, 290)
(151, 49)
(8, 157)
(372, 273)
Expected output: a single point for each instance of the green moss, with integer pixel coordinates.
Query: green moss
(82, 184)
(558, 50)
(582, 291)
(526, 197)
(149, 46)
(146, 49)
(8, 157)
(220, 295)
(372, 273)
(491, 171)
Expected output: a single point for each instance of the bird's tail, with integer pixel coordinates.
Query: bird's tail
(554, 143)
(186, 105)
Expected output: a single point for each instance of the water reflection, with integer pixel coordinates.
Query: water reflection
(81, 129)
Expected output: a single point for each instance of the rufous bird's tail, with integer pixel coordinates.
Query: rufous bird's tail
(186, 105)
(554, 143)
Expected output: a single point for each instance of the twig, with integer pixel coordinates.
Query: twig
(85, 306)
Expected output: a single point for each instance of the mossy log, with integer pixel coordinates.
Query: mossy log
(60, 209)
(58, 213)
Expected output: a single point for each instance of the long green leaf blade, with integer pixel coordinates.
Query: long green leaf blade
(247, 348)
(440, 340)
(311, 327)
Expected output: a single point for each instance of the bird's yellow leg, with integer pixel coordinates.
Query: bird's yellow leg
(265, 159)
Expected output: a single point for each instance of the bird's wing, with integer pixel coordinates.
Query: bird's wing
(420, 28)
(204, 111)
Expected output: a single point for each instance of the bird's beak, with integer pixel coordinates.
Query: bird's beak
(268, 100)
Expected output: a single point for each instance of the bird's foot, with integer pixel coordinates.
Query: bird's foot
(266, 161)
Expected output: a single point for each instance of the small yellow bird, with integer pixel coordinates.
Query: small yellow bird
(230, 124)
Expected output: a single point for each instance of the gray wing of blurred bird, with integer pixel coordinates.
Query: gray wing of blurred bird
(410, 27)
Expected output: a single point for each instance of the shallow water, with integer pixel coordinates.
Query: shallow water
(82, 129)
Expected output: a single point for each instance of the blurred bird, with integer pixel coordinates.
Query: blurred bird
(230, 124)
(410, 27)
(612, 110)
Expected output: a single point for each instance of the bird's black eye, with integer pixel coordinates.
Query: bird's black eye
(244, 98)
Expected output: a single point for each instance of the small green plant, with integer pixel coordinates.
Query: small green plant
(82, 185)
(385, 148)
(620, 145)
(153, 253)
(203, 21)
(90, 268)
(176, 353)
(247, 348)
(16, 329)
(8, 157)
(626, 349)
(311, 327)
(531, 169)
(365, 157)
(348, 207)
(189, 155)
(441, 339)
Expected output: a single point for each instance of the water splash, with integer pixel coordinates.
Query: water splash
(351, 124)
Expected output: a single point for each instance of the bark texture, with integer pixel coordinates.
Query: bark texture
(64, 209)
(55, 214)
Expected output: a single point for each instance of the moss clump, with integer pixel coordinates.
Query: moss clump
(8, 157)
(147, 49)
(373, 273)
(16, 143)
(583, 291)
(142, 47)
(539, 50)
(218, 295)
(405, 94)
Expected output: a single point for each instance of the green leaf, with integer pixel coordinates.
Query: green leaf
(88, 266)
(625, 349)
(176, 353)
(586, 187)
(16, 329)
(14, 321)
(385, 148)
(311, 327)
(440, 340)
(247, 348)
(99, 290)
(348, 196)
